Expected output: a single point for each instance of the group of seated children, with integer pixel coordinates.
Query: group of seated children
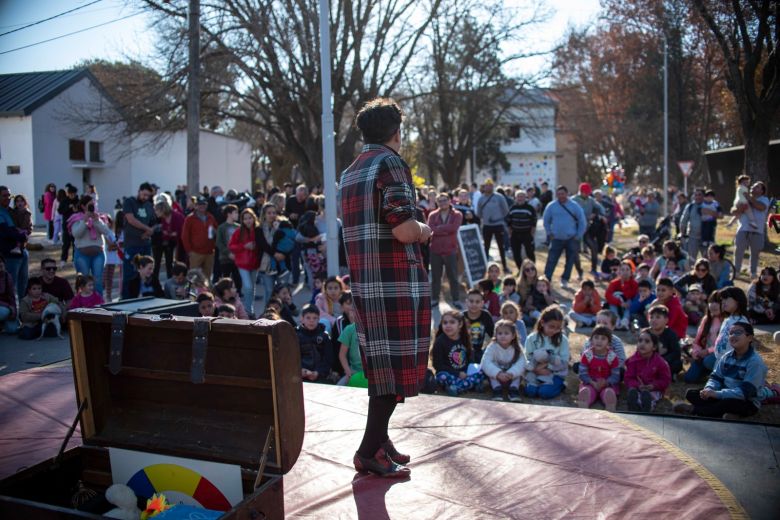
(531, 296)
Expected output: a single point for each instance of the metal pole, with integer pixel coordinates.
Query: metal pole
(193, 101)
(328, 147)
(666, 129)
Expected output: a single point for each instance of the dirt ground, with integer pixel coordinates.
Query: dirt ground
(624, 238)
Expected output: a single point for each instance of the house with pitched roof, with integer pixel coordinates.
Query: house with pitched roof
(50, 132)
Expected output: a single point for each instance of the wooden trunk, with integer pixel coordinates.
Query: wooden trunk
(152, 395)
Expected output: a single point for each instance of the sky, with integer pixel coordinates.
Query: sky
(130, 37)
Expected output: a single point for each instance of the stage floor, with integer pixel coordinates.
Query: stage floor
(470, 458)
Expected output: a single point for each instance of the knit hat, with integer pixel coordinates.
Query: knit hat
(585, 188)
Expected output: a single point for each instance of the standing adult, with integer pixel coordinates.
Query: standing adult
(227, 261)
(49, 196)
(168, 237)
(565, 225)
(264, 238)
(199, 237)
(12, 244)
(89, 234)
(390, 288)
(594, 215)
(522, 228)
(690, 226)
(492, 209)
(648, 215)
(294, 208)
(545, 196)
(243, 245)
(139, 219)
(67, 208)
(681, 200)
(444, 223)
(749, 236)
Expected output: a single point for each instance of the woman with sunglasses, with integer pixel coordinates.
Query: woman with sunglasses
(699, 275)
(528, 278)
(733, 389)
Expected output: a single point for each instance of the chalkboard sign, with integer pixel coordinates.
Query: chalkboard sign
(472, 249)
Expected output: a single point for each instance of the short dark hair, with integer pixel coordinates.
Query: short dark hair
(310, 308)
(226, 307)
(510, 280)
(663, 310)
(646, 284)
(476, 291)
(34, 280)
(345, 297)
(228, 209)
(179, 268)
(601, 330)
(146, 187)
(562, 187)
(667, 282)
(47, 261)
(587, 283)
(205, 297)
(378, 120)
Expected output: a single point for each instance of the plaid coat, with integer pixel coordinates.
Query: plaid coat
(390, 289)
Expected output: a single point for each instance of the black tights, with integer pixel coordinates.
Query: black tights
(380, 409)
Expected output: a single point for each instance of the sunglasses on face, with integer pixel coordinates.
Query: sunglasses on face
(50, 269)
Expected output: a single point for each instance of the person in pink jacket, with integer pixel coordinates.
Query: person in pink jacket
(444, 223)
(647, 374)
(49, 196)
(246, 257)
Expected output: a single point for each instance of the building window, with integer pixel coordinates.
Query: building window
(77, 150)
(95, 151)
(514, 131)
(13, 170)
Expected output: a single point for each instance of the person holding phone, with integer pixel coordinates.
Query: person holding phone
(89, 234)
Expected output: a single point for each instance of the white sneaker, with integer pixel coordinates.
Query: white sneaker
(564, 284)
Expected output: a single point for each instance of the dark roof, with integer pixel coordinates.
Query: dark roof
(21, 94)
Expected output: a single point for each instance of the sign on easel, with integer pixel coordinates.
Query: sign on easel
(472, 249)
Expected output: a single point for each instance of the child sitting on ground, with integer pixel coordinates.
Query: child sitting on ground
(494, 275)
(587, 303)
(86, 295)
(647, 374)
(619, 294)
(198, 282)
(31, 309)
(610, 264)
(670, 271)
(287, 308)
(143, 282)
(643, 273)
(648, 258)
(702, 351)
(669, 342)
(347, 308)
(639, 304)
(599, 371)
(478, 321)
(666, 295)
(227, 311)
(492, 304)
(176, 287)
(452, 353)
(504, 362)
(606, 318)
(349, 350)
(509, 291)
(546, 372)
(695, 304)
(510, 311)
(317, 285)
(205, 302)
(315, 345)
(328, 301)
(225, 292)
(539, 298)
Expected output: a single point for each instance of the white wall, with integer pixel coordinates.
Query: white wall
(532, 158)
(55, 123)
(224, 161)
(16, 150)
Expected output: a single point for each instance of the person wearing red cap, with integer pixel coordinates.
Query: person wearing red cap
(594, 214)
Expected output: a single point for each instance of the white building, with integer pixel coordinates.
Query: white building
(41, 141)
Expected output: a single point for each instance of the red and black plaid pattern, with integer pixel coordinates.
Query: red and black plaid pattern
(390, 288)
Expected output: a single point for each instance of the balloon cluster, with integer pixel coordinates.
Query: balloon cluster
(615, 180)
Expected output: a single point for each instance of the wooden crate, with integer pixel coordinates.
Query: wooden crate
(160, 394)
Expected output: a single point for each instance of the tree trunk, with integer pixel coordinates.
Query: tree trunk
(757, 150)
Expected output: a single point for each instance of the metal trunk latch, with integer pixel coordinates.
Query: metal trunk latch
(118, 323)
(200, 343)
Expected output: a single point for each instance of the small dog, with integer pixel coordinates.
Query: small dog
(51, 316)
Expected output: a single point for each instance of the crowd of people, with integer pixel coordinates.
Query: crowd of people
(228, 251)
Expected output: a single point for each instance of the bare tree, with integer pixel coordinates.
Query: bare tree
(748, 34)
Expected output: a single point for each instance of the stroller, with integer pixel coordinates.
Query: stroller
(661, 234)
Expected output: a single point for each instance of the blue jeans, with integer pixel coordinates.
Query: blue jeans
(295, 264)
(572, 248)
(128, 268)
(248, 289)
(546, 391)
(91, 265)
(268, 282)
(10, 325)
(699, 369)
(18, 266)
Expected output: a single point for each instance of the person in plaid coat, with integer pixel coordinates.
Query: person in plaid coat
(390, 287)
